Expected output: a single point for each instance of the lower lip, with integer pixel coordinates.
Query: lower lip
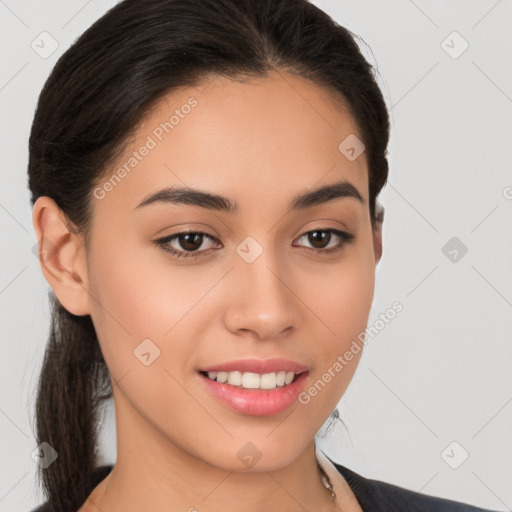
(256, 402)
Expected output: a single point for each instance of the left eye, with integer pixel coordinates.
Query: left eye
(322, 236)
(192, 241)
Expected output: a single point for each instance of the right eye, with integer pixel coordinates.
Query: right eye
(190, 242)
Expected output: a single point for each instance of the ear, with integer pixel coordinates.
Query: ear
(377, 232)
(61, 255)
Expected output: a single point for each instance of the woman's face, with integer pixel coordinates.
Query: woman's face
(273, 277)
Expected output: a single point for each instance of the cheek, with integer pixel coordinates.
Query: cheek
(139, 295)
(341, 296)
(341, 300)
(137, 289)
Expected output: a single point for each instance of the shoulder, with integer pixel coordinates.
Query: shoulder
(376, 495)
(98, 475)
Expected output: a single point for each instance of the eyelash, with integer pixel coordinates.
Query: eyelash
(163, 242)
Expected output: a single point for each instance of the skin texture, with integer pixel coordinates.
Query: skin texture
(259, 143)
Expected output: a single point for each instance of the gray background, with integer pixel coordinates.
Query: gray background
(440, 371)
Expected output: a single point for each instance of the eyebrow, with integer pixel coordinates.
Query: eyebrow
(194, 197)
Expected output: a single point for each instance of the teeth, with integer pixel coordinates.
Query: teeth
(250, 380)
(235, 378)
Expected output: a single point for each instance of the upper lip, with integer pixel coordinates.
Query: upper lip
(261, 366)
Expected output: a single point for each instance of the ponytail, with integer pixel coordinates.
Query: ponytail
(73, 383)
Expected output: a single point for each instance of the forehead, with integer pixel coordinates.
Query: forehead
(273, 136)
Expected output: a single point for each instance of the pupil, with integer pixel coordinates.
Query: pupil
(193, 245)
(319, 236)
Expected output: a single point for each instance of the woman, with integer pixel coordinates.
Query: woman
(204, 179)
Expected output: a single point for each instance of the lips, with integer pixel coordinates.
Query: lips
(255, 402)
(260, 366)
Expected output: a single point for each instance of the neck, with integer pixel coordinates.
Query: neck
(152, 473)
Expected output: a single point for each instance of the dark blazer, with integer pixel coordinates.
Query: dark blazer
(378, 496)
(373, 495)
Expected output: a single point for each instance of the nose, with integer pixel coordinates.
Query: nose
(262, 302)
